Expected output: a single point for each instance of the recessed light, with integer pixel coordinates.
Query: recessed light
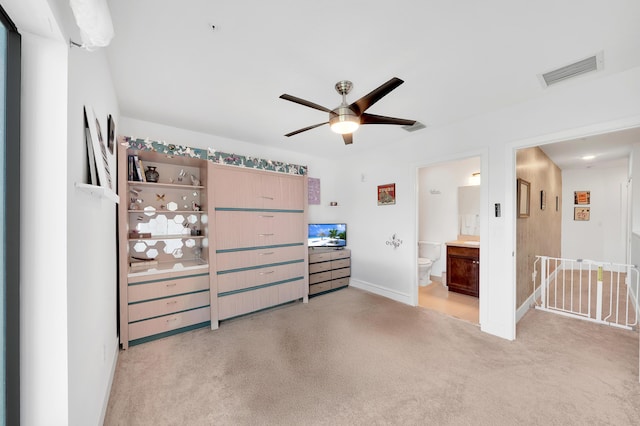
(588, 157)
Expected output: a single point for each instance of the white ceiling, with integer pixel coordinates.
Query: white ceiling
(607, 150)
(458, 59)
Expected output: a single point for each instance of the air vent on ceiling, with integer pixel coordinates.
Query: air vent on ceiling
(592, 63)
(416, 126)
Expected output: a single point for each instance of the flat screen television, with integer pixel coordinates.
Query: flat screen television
(327, 235)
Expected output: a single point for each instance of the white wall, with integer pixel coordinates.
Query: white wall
(438, 212)
(604, 236)
(43, 284)
(91, 250)
(68, 259)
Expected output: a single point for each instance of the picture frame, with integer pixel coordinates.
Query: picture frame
(386, 194)
(523, 198)
(111, 134)
(313, 187)
(100, 152)
(582, 214)
(581, 197)
(92, 172)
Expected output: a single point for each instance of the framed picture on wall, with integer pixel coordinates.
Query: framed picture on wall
(581, 213)
(314, 190)
(582, 197)
(99, 145)
(386, 194)
(523, 198)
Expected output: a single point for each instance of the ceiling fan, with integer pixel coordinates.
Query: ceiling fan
(345, 119)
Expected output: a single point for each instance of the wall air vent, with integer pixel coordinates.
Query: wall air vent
(416, 126)
(592, 63)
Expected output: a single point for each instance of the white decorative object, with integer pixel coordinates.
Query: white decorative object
(394, 241)
(94, 20)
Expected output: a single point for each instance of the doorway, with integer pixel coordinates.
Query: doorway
(448, 211)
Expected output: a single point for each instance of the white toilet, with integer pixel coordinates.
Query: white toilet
(428, 252)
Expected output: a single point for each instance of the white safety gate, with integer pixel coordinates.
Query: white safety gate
(601, 292)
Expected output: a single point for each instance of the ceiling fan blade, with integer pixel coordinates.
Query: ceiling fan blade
(306, 128)
(381, 119)
(375, 95)
(303, 102)
(348, 138)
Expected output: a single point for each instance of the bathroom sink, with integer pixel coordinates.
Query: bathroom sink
(472, 243)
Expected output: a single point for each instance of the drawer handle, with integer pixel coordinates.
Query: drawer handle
(266, 198)
(173, 302)
(171, 284)
(265, 254)
(267, 273)
(265, 235)
(172, 319)
(267, 216)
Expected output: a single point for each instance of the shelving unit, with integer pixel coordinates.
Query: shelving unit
(164, 248)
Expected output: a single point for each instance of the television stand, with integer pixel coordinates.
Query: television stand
(329, 269)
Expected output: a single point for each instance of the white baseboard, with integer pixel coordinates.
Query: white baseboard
(381, 291)
(112, 373)
(528, 304)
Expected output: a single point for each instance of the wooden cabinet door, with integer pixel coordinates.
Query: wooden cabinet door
(463, 270)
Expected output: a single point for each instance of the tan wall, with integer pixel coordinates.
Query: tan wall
(540, 233)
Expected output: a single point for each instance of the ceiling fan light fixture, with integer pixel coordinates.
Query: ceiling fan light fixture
(346, 126)
(343, 120)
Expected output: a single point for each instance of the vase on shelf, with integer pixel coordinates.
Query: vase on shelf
(151, 174)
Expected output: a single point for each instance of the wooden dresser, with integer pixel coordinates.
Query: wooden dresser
(463, 268)
(260, 235)
(329, 269)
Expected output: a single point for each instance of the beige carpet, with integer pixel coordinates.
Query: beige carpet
(354, 358)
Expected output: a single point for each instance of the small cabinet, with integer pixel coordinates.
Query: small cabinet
(463, 270)
(329, 269)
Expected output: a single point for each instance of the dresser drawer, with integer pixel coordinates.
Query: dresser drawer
(244, 229)
(169, 287)
(342, 263)
(340, 254)
(239, 259)
(340, 282)
(319, 267)
(155, 308)
(255, 277)
(319, 277)
(340, 273)
(254, 300)
(319, 288)
(319, 257)
(170, 322)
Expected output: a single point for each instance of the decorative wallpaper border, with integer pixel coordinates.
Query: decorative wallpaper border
(211, 154)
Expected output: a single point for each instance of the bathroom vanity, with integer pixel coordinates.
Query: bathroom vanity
(463, 267)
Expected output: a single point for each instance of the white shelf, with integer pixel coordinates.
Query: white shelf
(98, 191)
(167, 237)
(178, 265)
(164, 185)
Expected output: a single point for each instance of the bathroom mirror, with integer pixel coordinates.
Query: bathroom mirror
(469, 211)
